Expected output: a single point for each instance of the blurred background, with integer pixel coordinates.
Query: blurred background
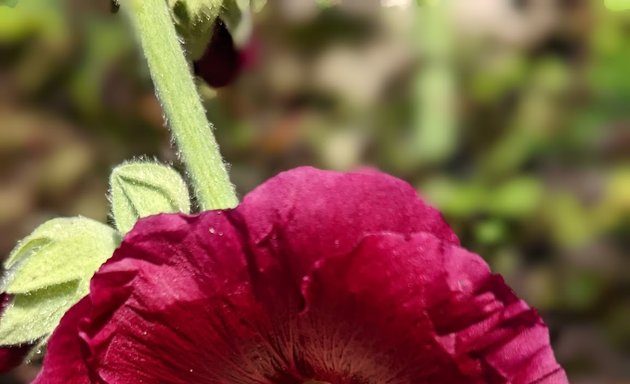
(511, 116)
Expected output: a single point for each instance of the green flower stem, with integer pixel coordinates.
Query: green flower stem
(177, 92)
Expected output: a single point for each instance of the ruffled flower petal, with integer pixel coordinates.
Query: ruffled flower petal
(340, 278)
(64, 362)
(414, 309)
(307, 214)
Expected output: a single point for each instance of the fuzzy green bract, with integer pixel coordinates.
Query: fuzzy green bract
(48, 272)
(618, 5)
(198, 10)
(194, 20)
(143, 189)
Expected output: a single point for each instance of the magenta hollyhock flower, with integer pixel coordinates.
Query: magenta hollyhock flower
(317, 277)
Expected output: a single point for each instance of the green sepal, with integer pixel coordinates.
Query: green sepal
(59, 251)
(32, 317)
(48, 272)
(245, 6)
(238, 17)
(617, 5)
(142, 189)
(196, 11)
(194, 20)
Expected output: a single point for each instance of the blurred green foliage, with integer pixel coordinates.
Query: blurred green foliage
(511, 117)
(618, 5)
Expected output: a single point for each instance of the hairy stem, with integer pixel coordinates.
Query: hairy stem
(181, 103)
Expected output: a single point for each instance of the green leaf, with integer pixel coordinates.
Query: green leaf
(34, 316)
(617, 5)
(48, 272)
(143, 189)
(59, 251)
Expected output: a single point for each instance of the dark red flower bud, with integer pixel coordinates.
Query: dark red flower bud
(221, 63)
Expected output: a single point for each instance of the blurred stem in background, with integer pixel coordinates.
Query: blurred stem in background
(181, 103)
(435, 125)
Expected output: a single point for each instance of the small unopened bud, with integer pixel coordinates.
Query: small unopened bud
(143, 189)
